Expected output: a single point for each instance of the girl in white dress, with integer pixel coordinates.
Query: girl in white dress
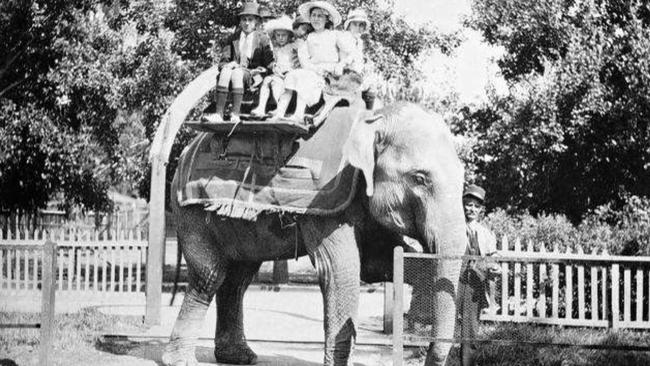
(284, 49)
(356, 25)
(319, 57)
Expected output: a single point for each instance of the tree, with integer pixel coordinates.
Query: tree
(84, 84)
(91, 82)
(573, 134)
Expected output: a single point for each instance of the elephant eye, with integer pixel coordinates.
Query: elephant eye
(421, 178)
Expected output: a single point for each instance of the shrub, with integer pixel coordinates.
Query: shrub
(621, 229)
(624, 230)
(547, 229)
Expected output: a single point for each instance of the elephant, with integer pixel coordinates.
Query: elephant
(412, 186)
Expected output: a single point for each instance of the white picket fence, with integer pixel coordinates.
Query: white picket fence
(88, 262)
(571, 288)
(551, 287)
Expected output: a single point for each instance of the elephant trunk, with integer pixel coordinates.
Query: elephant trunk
(445, 235)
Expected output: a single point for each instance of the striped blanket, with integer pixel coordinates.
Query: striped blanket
(250, 173)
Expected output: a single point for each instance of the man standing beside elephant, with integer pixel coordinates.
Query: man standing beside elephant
(476, 275)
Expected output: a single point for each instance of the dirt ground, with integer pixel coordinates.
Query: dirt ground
(112, 352)
(283, 325)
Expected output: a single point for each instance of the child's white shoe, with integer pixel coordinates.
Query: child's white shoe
(212, 118)
(258, 112)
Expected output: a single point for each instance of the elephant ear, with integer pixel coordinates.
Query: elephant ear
(359, 149)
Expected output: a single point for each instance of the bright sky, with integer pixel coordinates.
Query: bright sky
(445, 14)
(472, 67)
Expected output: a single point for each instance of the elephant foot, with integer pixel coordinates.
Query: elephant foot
(234, 353)
(178, 353)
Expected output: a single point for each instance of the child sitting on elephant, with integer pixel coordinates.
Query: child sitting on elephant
(301, 28)
(247, 55)
(284, 50)
(356, 25)
(319, 57)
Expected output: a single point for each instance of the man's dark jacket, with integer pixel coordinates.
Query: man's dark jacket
(262, 51)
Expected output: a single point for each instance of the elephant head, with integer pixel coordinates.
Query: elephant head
(414, 182)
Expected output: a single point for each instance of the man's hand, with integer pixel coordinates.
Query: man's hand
(493, 268)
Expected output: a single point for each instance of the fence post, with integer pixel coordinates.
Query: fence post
(604, 298)
(398, 308)
(48, 284)
(568, 288)
(530, 301)
(627, 293)
(639, 295)
(594, 293)
(555, 291)
(504, 279)
(516, 278)
(388, 307)
(543, 277)
(615, 290)
(155, 254)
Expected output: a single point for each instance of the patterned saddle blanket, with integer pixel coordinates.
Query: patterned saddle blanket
(267, 170)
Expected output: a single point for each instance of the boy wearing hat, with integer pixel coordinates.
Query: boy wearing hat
(476, 276)
(247, 55)
(284, 50)
(265, 16)
(301, 27)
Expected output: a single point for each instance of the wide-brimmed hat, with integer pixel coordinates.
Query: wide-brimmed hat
(250, 8)
(305, 10)
(475, 191)
(300, 20)
(281, 23)
(357, 15)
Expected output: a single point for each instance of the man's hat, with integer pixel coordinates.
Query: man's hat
(475, 191)
(265, 13)
(305, 10)
(250, 8)
(357, 15)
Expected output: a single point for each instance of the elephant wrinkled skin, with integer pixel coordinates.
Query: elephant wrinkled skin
(413, 181)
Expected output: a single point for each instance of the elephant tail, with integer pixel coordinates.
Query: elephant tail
(177, 276)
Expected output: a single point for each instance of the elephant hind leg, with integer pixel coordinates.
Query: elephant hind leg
(230, 342)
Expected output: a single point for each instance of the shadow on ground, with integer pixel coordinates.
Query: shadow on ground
(153, 350)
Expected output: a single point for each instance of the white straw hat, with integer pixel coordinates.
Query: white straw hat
(305, 10)
(357, 15)
(282, 23)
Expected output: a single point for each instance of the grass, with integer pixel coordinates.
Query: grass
(527, 355)
(75, 334)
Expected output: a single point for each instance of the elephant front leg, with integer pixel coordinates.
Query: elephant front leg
(182, 343)
(337, 263)
(206, 273)
(230, 344)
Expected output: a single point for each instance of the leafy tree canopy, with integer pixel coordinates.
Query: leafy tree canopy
(84, 83)
(573, 133)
